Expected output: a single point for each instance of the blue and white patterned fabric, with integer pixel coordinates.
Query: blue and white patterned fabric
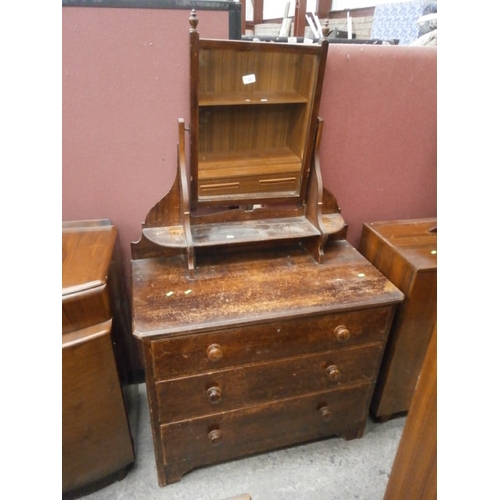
(399, 20)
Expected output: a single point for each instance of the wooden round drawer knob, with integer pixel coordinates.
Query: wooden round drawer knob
(333, 372)
(214, 352)
(325, 413)
(214, 395)
(215, 436)
(342, 333)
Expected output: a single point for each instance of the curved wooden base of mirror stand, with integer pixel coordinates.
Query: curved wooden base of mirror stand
(168, 229)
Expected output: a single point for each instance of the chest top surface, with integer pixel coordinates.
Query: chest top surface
(260, 286)
(415, 240)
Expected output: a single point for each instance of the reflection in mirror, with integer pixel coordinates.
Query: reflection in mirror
(254, 119)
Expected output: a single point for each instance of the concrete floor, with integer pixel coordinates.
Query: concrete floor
(332, 469)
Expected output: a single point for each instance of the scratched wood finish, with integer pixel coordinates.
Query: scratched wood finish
(253, 353)
(406, 252)
(242, 289)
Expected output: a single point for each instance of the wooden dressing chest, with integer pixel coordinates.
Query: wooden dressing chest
(261, 326)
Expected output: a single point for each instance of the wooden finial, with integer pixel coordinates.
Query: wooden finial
(193, 21)
(325, 29)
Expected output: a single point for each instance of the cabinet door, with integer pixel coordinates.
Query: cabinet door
(96, 441)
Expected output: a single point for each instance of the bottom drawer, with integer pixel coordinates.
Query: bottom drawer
(202, 441)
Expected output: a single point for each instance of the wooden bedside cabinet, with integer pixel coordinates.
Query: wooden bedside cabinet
(406, 252)
(97, 444)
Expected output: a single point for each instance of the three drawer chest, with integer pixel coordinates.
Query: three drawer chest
(259, 352)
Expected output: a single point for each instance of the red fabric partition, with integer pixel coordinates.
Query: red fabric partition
(379, 147)
(125, 82)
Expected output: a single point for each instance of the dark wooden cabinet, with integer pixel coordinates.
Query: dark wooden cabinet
(261, 351)
(261, 326)
(414, 472)
(97, 445)
(406, 252)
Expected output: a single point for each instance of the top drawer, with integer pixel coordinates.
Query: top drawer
(210, 351)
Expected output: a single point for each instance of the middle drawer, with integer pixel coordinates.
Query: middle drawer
(235, 388)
